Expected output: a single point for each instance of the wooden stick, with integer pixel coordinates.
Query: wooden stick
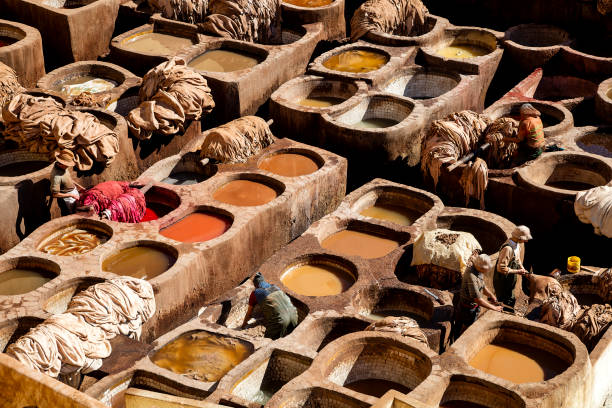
(270, 122)
(468, 157)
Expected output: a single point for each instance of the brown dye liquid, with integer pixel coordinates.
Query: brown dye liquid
(518, 363)
(570, 185)
(321, 101)
(358, 243)
(5, 41)
(396, 214)
(609, 93)
(461, 404)
(358, 61)
(289, 165)
(245, 193)
(22, 168)
(86, 83)
(317, 280)
(156, 43)
(203, 356)
(375, 387)
(139, 262)
(374, 123)
(74, 242)
(197, 227)
(462, 51)
(224, 61)
(309, 3)
(18, 281)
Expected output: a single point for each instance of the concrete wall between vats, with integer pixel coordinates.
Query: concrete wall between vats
(23, 387)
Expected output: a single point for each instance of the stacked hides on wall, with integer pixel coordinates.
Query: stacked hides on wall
(78, 340)
(257, 21)
(594, 207)
(398, 17)
(171, 93)
(236, 141)
(187, 11)
(405, 326)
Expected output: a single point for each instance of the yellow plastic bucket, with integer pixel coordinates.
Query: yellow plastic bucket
(573, 264)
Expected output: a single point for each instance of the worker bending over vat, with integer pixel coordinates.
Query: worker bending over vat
(474, 294)
(509, 265)
(280, 316)
(63, 187)
(530, 136)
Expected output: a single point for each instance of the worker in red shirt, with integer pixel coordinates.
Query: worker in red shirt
(530, 136)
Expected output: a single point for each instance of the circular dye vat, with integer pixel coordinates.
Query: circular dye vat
(86, 83)
(6, 41)
(202, 356)
(289, 164)
(309, 3)
(357, 61)
(185, 178)
(461, 404)
(245, 193)
(18, 169)
(321, 101)
(462, 51)
(392, 213)
(75, 242)
(156, 43)
(142, 262)
(375, 123)
(570, 185)
(224, 61)
(376, 387)
(317, 279)
(518, 363)
(356, 243)
(19, 280)
(197, 227)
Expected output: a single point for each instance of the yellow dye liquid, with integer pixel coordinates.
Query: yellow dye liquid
(518, 363)
(360, 244)
(73, 242)
(317, 280)
(357, 61)
(202, 355)
(391, 213)
(462, 51)
(321, 101)
(18, 281)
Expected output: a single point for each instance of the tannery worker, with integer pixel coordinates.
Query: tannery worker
(280, 316)
(530, 136)
(474, 294)
(509, 265)
(63, 187)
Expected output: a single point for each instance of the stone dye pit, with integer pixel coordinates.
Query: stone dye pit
(156, 43)
(356, 61)
(223, 61)
(143, 262)
(318, 278)
(197, 227)
(202, 356)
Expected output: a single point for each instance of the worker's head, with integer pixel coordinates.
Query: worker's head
(528, 110)
(521, 234)
(64, 159)
(259, 281)
(483, 263)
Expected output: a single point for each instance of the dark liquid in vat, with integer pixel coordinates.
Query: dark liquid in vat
(375, 387)
(22, 168)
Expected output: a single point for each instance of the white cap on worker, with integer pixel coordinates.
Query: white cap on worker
(528, 109)
(483, 263)
(522, 232)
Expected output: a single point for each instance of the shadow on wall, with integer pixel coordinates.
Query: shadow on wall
(34, 210)
(145, 148)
